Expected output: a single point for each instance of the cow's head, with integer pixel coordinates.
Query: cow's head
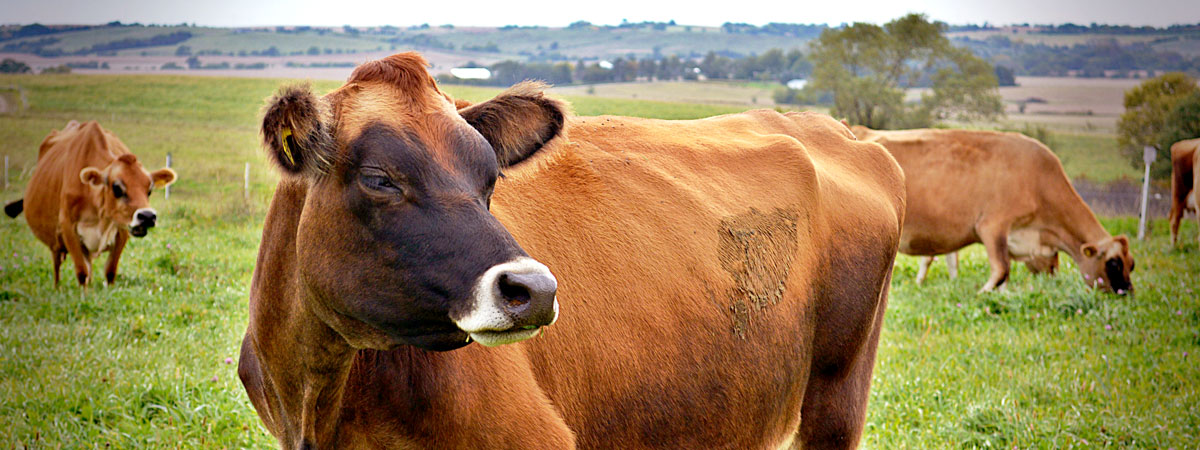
(124, 188)
(396, 243)
(1107, 264)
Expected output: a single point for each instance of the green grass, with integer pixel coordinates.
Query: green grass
(1094, 156)
(142, 364)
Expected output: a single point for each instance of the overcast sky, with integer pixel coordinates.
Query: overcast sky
(560, 13)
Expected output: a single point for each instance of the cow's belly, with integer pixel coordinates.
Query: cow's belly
(1027, 242)
(96, 238)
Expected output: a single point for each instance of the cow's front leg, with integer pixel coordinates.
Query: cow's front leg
(79, 255)
(110, 269)
(995, 239)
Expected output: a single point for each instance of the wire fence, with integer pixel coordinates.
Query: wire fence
(1123, 198)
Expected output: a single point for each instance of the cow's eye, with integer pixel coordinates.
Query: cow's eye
(118, 191)
(380, 183)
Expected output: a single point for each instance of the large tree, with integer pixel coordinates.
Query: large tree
(868, 68)
(1150, 119)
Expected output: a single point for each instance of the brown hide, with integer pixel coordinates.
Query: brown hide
(719, 279)
(71, 205)
(1185, 176)
(1006, 191)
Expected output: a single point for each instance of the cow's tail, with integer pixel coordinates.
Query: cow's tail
(14, 208)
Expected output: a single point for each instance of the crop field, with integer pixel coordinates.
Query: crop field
(151, 361)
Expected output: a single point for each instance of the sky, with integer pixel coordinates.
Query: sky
(225, 13)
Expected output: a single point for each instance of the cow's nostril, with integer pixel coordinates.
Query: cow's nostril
(514, 293)
(528, 297)
(146, 216)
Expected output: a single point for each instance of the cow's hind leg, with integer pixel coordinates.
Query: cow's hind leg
(835, 400)
(952, 264)
(1175, 217)
(995, 239)
(923, 267)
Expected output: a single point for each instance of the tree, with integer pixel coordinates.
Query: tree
(183, 50)
(1005, 76)
(193, 63)
(1147, 118)
(10, 65)
(868, 68)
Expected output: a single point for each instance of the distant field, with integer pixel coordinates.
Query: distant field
(706, 92)
(1048, 364)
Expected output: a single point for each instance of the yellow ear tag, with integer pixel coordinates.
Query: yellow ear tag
(287, 132)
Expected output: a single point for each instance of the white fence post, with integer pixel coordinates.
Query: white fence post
(6, 172)
(167, 192)
(1148, 155)
(246, 185)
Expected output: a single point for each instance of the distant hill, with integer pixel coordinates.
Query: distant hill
(1042, 50)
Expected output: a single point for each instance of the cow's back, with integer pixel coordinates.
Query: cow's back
(695, 260)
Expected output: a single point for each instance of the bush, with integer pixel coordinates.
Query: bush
(61, 69)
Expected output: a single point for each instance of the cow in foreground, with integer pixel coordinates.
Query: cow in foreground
(717, 283)
(87, 195)
(1006, 191)
(1185, 177)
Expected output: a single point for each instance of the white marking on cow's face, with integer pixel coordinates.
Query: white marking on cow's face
(486, 320)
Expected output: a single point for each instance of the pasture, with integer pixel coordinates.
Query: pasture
(151, 362)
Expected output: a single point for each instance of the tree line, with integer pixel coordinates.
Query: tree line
(1100, 57)
(773, 65)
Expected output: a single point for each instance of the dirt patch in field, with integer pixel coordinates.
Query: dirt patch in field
(756, 249)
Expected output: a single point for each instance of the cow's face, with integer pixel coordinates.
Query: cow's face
(1107, 264)
(396, 243)
(124, 188)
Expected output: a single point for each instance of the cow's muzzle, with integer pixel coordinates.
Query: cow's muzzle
(512, 302)
(143, 221)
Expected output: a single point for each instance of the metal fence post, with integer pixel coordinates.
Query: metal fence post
(1148, 155)
(167, 192)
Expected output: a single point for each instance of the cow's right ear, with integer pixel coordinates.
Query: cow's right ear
(91, 176)
(295, 134)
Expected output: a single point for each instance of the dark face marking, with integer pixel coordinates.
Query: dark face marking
(403, 238)
(1114, 270)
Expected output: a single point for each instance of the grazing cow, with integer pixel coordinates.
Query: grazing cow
(1184, 179)
(722, 281)
(1005, 190)
(88, 194)
(1036, 264)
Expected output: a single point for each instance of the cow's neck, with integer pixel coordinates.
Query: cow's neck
(1076, 228)
(310, 381)
(304, 363)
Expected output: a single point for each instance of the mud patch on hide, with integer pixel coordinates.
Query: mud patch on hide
(756, 248)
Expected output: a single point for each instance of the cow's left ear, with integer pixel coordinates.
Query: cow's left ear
(91, 176)
(518, 122)
(163, 177)
(1089, 250)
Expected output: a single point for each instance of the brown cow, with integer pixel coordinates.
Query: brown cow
(720, 279)
(88, 194)
(1006, 191)
(1184, 179)
(1036, 264)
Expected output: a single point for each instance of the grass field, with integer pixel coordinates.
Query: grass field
(1048, 364)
